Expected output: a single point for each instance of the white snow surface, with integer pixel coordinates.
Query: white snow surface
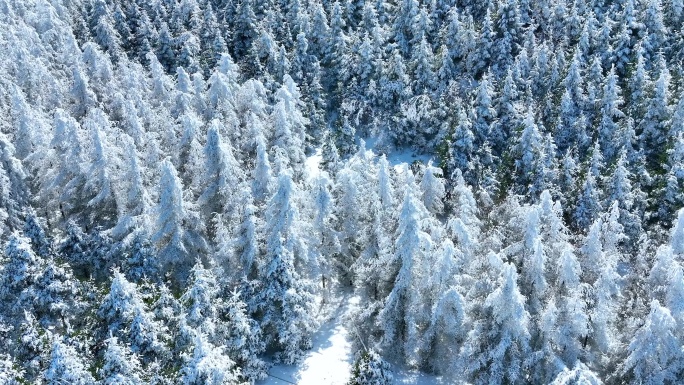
(330, 360)
(397, 157)
(313, 164)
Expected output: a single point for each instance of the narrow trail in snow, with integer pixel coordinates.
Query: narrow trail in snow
(329, 361)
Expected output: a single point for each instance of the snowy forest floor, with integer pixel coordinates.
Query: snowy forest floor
(330, 360)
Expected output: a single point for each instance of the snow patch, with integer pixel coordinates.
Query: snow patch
(398, 157)
(329, 361)
(313, 165)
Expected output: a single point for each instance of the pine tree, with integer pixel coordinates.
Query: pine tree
(84, 98)
(336, 55)
(136, 203)
(498, 346)
(126, 317)
(480, 57)
(402, 311)
(222, 174)
(223, 86)
(432, 187)
(320, 30)
(508, 31)
(21, 270)
(99, 179)
(286, 306)
(371, 369)
(657, 117)
(325, 239)
(56, 295)
(571, 318)
(245, 29)
(66, 366)
(33, 348)
(533, 280)
(461, 149)
(200, 300)
(394, 84)
(483, 112)
(423, 71)
(284, 298)
(244, 341)
(508, 116)
(465, 223)
(62, 174)
(445, 333)
(601, 274)
(176, 237)
(406, 19)
(655, 356)
(261, 174)
(610, 112)
(104, 32)
(244, 247)
(530, 155)
(659, 277)
(626, 196)
(588, 203)
(165, 48)
(120, 365)
(655, 32)
(208, 364)
(290, 125)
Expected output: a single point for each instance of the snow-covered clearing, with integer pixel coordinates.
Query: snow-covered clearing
(312, 164)
(398, 157)
(329, 361)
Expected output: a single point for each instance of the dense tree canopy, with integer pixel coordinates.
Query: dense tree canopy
(187, 185)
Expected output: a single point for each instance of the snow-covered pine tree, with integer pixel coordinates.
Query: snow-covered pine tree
(371, 369)
(284, 299)
(66, 366)
(433, 190)
(404, 311)
(200, 301)
(21, 270)
(222, 175)
(208, 364)
(262, 179)
(243, 339)
(177, 233)
(497, 349)
(655, 356)
(120, 365)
